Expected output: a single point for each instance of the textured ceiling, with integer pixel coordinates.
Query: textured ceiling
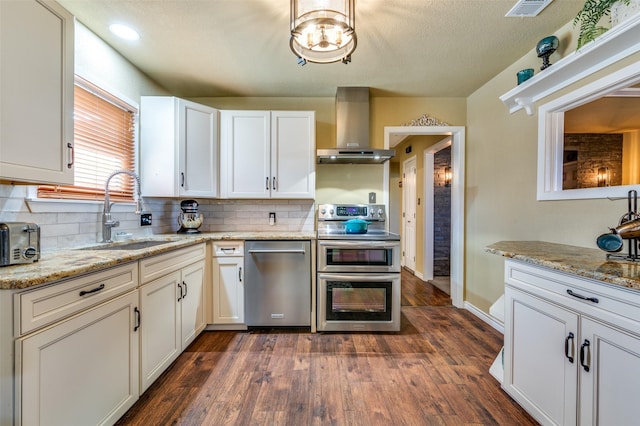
(433, 48)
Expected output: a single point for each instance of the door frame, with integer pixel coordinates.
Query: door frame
(394, 135)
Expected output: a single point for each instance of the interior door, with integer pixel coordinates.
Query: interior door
(409, 173)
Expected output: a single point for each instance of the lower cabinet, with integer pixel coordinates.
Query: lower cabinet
(572, 347)
(228, 282)
(80, 371)
(87, 347)
(609, 375)
(538, 373)
(172, 309)
(160, 340)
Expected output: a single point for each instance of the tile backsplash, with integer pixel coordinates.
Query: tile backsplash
(69, 224)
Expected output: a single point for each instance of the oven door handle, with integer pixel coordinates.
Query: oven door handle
(297, 251)
(358, 244)
(358, 276)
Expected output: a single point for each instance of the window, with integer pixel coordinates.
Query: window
(104, 141)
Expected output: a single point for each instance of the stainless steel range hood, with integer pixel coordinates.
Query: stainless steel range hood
(352, 126)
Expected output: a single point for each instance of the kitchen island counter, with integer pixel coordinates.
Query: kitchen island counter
(581, 261)
(58, 264)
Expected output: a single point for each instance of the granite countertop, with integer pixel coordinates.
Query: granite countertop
(64, 263)
(582, 261)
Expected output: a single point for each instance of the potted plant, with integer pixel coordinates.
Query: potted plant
(589, 18)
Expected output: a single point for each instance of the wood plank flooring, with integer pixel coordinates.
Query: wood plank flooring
(433, 372)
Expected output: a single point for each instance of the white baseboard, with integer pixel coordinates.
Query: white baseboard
(484, 317)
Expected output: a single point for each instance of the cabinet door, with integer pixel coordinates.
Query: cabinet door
(36, 107)
(82, 371)
(609, 389)
(191, 300)
(198, 126)
(293, 154)
(245, 167)
(160, 342)
(538, 373)
(228, 290)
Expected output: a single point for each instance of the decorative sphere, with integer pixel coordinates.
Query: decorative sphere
(547, 46)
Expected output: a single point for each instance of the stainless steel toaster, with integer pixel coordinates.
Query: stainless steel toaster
(19, 243)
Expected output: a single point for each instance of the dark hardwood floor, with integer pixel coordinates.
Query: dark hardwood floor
(433, 372)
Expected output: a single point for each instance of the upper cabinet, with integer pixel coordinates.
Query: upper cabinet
(36, 128)
(178, 148)
(267, 154)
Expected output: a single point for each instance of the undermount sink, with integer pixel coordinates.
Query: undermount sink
(137, 245)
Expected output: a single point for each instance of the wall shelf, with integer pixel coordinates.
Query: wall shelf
(614, 45)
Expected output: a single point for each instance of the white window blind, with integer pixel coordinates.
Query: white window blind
(104, 141)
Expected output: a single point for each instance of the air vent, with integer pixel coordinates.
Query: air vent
(527, 8)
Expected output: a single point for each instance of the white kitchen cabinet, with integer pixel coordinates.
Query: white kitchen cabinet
(160, 342)
(572, 347)
(171, 307)
(537, 372)
(192, 313)
(608, 389)
(178, 148)
(228, 282)
(267, 154)
(36, 107)
(83, 370)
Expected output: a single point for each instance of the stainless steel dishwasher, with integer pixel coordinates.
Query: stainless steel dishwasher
(277, 283)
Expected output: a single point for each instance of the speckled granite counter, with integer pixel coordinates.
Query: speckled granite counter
(585, 262)
(58, 264)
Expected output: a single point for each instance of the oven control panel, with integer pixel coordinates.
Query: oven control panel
(370, 212)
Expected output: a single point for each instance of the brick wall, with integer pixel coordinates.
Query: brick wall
(594, 150)
(442, 214)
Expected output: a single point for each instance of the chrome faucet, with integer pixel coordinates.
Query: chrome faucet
(107, 222)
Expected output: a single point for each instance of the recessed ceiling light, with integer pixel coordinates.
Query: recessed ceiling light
(124, 32)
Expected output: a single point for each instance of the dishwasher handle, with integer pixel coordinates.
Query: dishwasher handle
(299, 251)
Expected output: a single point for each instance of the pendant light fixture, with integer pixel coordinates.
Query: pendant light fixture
(323, 31)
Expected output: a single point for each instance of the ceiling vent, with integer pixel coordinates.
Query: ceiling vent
(527, 8)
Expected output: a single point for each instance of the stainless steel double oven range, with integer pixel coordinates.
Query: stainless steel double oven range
(358, 273)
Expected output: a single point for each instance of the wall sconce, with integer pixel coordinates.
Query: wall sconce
(603, 176)
(447, 176)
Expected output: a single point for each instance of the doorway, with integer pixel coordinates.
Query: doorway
(437, 230)
(394, 136)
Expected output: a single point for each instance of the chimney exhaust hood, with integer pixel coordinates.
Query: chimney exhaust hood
(352, 131)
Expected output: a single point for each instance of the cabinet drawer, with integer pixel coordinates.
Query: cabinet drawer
(37, 308)
(228, 248)
(163, 264)
(612, 301)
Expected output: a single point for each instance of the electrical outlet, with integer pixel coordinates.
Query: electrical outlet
(272, 218)
(145, 219)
